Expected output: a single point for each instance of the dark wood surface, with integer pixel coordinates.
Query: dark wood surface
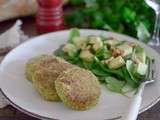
(10, 113)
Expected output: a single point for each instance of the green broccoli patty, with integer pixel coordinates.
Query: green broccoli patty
(45, 72)
(43, 81)
(78, 88)
(31, 65)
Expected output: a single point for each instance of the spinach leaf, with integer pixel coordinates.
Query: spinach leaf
(100, 73)
(114, 85)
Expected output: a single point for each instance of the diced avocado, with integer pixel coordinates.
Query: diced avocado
(139, 55)
(86, 55)
(113, 42)
(116, 63)
(130, 66)
(136, 70)
(140, 69)
(127, 50)
(80, 42)
(70, 49)
(96, 42)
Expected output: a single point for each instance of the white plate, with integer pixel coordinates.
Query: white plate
(23, 96)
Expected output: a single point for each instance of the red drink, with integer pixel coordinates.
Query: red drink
(50, 16)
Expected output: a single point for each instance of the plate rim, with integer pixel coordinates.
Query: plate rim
(154, 102)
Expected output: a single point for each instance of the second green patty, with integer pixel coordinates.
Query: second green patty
(78, 88)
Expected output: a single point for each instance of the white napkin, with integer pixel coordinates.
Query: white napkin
(10, 39)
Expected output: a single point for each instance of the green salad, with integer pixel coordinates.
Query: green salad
(116, 63)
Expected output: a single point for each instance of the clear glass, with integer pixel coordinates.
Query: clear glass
(155, 5)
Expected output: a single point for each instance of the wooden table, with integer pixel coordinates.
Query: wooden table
(10, 113)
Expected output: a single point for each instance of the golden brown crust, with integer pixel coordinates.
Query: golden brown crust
(43, 81)
(47, 69)
(53, 63)
(78, 88)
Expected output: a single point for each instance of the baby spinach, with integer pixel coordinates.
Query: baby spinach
(114, 85)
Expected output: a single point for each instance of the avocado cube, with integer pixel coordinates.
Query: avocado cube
(116, 63)
(126, 49)
(140, 69)
(141, 55)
